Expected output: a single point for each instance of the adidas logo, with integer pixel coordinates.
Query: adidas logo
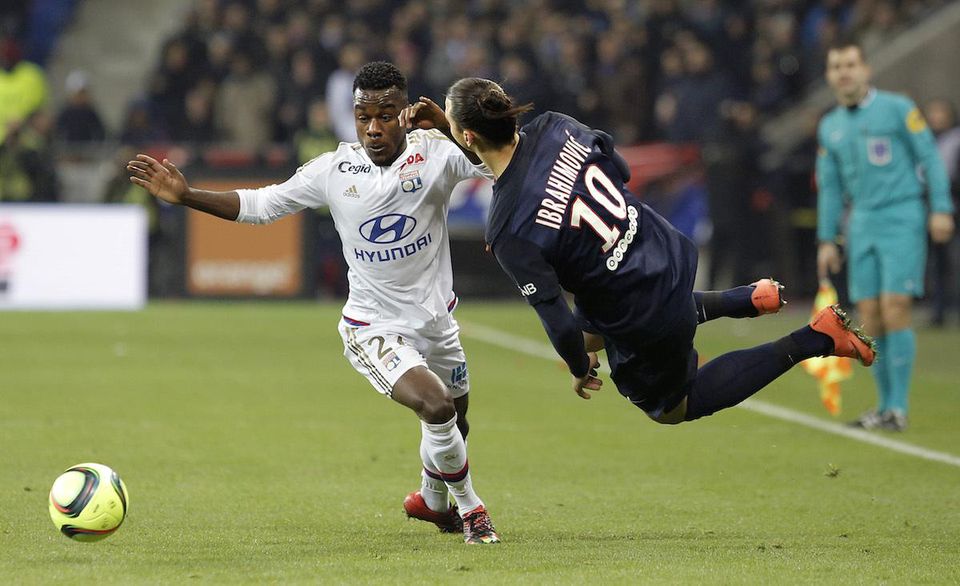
(352, 192)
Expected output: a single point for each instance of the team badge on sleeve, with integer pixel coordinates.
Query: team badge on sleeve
(915, 121)
(879, 150)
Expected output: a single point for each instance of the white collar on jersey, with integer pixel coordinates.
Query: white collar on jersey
(868, 99)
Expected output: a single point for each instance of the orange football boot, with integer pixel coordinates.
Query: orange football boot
(848, 341)
(767, 296)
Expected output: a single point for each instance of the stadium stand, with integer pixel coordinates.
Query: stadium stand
(241, 83)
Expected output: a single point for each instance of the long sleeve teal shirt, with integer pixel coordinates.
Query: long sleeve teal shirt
(869, 157)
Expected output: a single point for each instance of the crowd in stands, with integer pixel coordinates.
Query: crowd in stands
(247, 72)
(253, 74)
(250, 72)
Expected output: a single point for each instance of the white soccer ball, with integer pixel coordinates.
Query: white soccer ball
(88, 502)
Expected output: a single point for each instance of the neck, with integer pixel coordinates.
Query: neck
(497, 159)
(854, 99)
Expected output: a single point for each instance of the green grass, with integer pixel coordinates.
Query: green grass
(254, 453)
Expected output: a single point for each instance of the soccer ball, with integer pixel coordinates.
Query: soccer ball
(88, 502)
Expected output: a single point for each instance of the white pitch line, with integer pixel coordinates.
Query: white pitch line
(530, 347)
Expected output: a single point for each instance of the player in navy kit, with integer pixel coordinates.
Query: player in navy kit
(562, 219)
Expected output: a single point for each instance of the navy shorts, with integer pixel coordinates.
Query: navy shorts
(655, 371)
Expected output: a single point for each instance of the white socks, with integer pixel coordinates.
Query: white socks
(432, 488)
(443, 447)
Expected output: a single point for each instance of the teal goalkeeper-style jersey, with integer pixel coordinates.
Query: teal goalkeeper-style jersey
(869, 156)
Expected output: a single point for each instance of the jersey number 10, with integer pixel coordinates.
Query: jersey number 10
(605, 193)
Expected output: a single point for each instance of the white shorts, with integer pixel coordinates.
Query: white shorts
(384, 352)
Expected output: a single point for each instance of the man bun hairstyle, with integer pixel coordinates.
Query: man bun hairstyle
(379, 75)
(482, 106)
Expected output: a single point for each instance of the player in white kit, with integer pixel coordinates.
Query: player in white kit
(388, 196)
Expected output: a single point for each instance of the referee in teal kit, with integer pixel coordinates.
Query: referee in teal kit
(878, 158)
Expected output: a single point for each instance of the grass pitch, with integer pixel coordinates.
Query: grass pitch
(254, 453)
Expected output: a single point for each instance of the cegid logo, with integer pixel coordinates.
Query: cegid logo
(347, 167)
(388, 228)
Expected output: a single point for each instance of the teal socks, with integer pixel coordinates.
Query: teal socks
(901, 350)
(880, 374)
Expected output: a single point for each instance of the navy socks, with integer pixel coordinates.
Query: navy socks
(734, 302)
(730, 379)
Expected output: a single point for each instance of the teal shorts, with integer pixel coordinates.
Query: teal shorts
(887, 250)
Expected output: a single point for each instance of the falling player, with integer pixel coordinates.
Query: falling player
(562, 219)
(388, 195)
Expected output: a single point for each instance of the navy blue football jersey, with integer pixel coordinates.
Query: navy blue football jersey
(562, 218)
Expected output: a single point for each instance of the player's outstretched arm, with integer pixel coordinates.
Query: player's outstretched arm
(164, 181)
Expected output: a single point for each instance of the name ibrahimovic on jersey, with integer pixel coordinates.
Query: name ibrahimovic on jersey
(563, 176)
(560, 183)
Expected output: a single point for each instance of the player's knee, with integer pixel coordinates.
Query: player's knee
(437, 408)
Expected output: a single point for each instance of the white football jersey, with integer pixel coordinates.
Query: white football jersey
(392, 222)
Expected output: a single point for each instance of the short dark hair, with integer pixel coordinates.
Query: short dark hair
(847, 42)
(482, 106)
(379, 75)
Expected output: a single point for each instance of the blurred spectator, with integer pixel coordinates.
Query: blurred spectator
(120, 190)
(79, 120)
(318, 137)
(519, 81)
(198, 124)
(945, 258)
(882, 24)
(694, 101)
(219, 49)
(171, 82)
(731, 154)
(295, 94)
(139, 127)
(621, 76)
(26, 161)
(23, 87)
(340, 92)
(245, 104)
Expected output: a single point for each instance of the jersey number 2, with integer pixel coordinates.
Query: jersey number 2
(604, 192)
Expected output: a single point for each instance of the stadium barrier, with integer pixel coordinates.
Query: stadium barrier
(65, 256)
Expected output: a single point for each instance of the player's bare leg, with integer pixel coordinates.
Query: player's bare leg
(444, 455)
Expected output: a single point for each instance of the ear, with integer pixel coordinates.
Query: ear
(469, 138)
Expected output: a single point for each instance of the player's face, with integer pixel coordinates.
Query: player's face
(848, 74)
(378, 128)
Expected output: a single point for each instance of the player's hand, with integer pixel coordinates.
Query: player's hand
(589, 380)
(424, 114)
(941, 227)
(828, 260)
(164, 180)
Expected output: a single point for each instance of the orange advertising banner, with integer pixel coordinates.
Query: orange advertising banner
(229, 259)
